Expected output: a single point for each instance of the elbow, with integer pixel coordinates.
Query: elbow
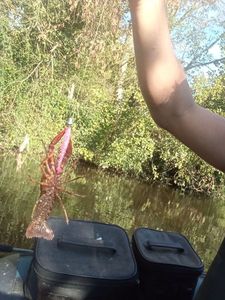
(159, 109)
(168, 103)
(161, 116)
(165, 91)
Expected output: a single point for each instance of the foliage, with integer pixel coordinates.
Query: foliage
(199, 50)
(48, 46)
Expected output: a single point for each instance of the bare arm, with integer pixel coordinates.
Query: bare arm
(165, 89)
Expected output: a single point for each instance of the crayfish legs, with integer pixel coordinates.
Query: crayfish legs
(50, 188)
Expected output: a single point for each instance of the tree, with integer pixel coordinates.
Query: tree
(198, 31)
(48, 46)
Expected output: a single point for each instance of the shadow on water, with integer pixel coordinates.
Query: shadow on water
(112, 199)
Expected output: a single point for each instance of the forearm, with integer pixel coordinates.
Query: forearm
(160, 74)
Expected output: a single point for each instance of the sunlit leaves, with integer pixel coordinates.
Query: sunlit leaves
(47, 46)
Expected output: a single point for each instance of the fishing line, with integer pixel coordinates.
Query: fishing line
(72, 113)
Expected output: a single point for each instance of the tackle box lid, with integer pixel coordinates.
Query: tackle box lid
(165, 250)
(85, 249)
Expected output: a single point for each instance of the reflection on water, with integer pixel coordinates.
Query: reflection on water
(116, 200)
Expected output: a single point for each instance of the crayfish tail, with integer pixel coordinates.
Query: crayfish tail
(39, 230)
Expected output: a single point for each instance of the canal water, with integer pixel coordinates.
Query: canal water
(112, 199)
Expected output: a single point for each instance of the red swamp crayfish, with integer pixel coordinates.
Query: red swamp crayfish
(51, 185)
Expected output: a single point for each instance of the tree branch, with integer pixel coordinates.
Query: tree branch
(192, 63)
(202, 64)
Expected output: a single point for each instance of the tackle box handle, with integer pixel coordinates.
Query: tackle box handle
(175, 246)
(10, 248)
(89, 243)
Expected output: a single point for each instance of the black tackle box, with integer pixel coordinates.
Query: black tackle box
(85, 260)
(168, 266)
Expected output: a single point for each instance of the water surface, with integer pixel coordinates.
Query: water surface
(112, 199)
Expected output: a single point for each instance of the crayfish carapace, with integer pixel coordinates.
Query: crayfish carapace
(50, 186)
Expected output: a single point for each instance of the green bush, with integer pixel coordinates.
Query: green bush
(45, 48)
